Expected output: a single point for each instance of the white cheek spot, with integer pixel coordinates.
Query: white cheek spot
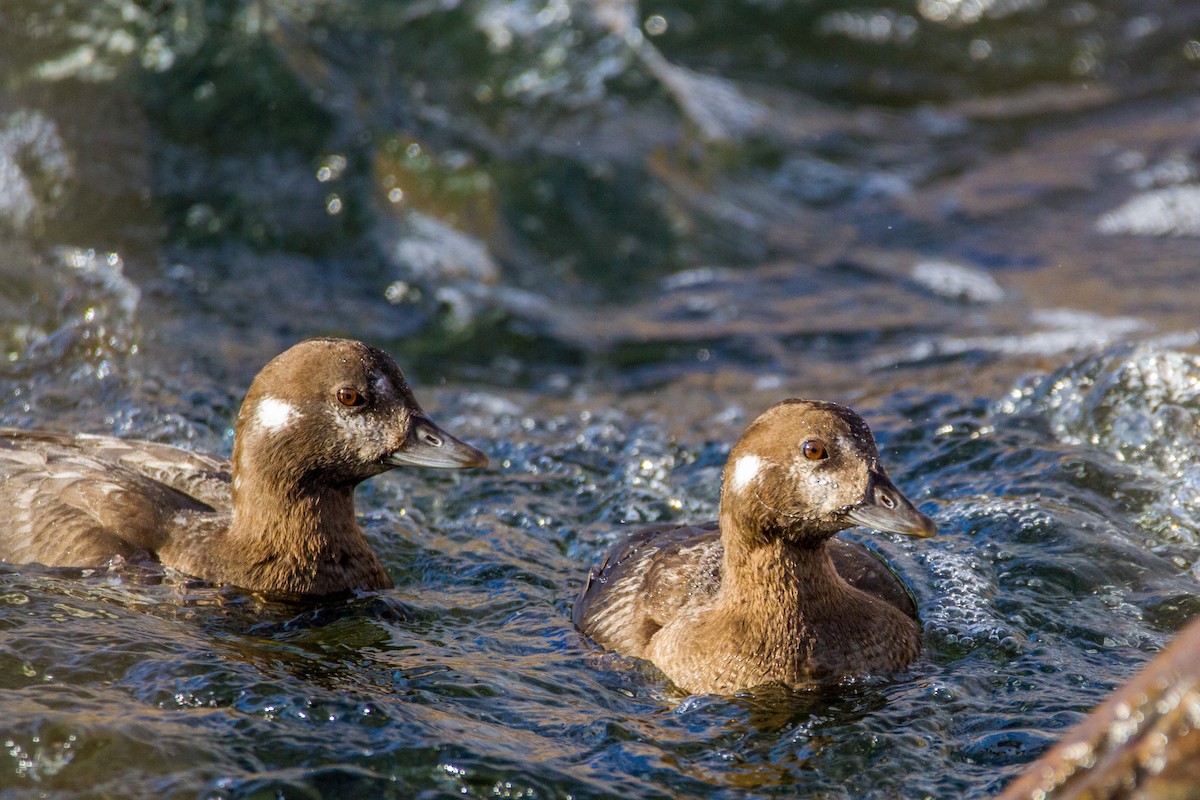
(274, 414)
(745, 470)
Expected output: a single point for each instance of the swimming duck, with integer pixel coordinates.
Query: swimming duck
(318, 420)
(765, 594)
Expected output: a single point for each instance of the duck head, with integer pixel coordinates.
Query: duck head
(805, 470)
(332, 413)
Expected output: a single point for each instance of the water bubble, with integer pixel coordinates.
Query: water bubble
(979, 49)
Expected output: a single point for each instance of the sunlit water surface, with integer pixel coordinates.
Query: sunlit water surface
(602, 238)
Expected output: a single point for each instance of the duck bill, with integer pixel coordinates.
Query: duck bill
(885, 508)
(430, 446)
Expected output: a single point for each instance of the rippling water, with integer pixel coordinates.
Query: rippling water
(602, 237)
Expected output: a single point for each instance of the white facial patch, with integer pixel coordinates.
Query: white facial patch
(274, 414)
(745, 470)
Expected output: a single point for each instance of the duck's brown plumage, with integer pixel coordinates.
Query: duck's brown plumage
(765, 595)
(279, 518)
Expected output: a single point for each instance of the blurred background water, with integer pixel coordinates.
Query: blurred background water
(601, 237)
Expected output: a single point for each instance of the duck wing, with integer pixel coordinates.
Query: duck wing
(83, 500)
(645, 581)
(650, 577)
(200, 476)
(864, 569)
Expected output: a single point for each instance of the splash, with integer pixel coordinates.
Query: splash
(82, 323)
(35, 170)
(1140, 405)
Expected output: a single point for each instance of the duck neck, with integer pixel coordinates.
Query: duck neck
(786, 581)
(295, 539)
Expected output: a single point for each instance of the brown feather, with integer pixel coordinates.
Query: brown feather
(765, 595)
(280, 519)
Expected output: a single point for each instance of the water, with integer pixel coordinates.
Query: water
(601, 238)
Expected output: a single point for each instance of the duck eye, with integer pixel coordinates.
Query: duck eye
(350, 397)
(814, 450)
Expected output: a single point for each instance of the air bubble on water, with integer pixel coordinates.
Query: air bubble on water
(962, 611)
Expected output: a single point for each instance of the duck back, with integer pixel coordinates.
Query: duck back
(660, 572)
(83, 500)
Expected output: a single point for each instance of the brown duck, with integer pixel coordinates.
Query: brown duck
(766, 595)
(318, 419)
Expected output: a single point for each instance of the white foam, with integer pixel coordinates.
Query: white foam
(745, 470)
(275, 414)
(1172, 211)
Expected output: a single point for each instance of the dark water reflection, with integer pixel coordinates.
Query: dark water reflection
(602, 237)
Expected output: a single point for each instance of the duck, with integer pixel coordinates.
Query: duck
(766, 594)
(278, 519)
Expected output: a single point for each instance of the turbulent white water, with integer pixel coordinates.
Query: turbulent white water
(601, 237)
